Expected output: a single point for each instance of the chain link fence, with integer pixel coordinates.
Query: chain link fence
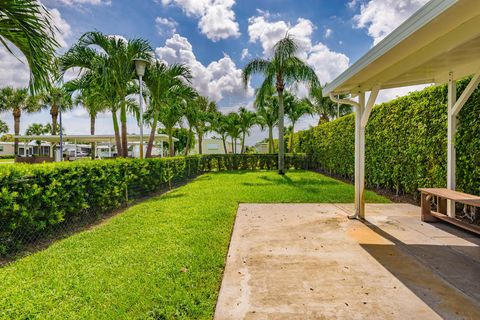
(43, 203)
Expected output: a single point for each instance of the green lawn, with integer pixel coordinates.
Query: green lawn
(162, 258)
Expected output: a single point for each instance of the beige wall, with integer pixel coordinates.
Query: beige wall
(262, 148)
(6, 149)
(214, 146)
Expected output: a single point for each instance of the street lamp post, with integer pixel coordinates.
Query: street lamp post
(140, 65)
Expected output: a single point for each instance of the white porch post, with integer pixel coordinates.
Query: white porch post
(452, 130)
(359, 157)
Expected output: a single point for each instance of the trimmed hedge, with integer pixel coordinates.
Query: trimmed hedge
(406, 143)
(36, 198)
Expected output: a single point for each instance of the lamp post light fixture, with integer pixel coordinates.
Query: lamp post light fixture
(140, 66)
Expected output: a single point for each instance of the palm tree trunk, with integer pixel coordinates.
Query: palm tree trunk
(291, 138)
(233, 146)
(187, 147)
(170, 142)
(281, 144)
(270, 140)
(117, 133)
(16, 129)
(224, 139)
(152, 136)
(92, 132)
(243, 143)
(123, 121)
(200, 140)
(54, 114)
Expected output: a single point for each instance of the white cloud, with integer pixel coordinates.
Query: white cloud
(327, 63)
(381, 17)
(328, 33)
(166, 26)
(216, 17)
(63, 28)
(245, 54)
(218, 80)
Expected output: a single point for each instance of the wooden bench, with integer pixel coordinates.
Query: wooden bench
(442, 196)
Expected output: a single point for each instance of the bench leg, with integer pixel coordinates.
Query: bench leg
(427, 209)
(442, 205)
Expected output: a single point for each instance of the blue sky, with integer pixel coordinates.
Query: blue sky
(217, 37)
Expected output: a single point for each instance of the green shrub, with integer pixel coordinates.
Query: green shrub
(10, 156)
(36, 198)
(406, 143)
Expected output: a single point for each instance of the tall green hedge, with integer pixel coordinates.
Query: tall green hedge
(406, 143)
(36, 198)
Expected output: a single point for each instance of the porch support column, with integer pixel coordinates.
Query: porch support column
(359, 157)
(452, 130)
(454, 108)
(362, 114)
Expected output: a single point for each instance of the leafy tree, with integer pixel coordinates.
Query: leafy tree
(247, 120)
(37, 129)
(184, 138)
(166, 84)
(232, 123)
(284, 68)
(26, 24)
(17, 101)
(171, 112)
(295, 109)
(7, 138)
(3, 127)
(267, 114)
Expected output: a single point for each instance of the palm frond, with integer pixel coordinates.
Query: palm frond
(253, 67)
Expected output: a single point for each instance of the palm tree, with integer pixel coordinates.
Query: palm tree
(295, 109)
(165, 83)
(114, 68)
(267, 114)
(27, 25)
(17, 101)
(37, 129)
(324, 107)
(171, 112)
(232, 123)
(201, 113)
(220, 125)
(247, 120)
(282, 69)
(57, 99)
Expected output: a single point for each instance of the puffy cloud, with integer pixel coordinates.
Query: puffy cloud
(393, 13)
(165, 26)
(216, 17)
(327, 63)
(63, 28)
(245, 54)
(218, 80)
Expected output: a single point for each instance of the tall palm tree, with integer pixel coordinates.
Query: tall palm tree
(220, 126)
(232, 122)
(295, 109)
(324, 107)
(26, 24)
(247, 120)
(202, 115)
(171, 112)
(113, 58)
(282, 69)
(165, 84)
(57, 99)
(17, 101)
(267, 113)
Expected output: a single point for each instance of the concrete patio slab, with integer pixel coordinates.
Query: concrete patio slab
(308, 261)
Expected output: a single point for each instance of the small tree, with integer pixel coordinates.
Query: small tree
(247, 120)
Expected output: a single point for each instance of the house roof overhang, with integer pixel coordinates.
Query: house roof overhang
(92, 138)
(440, 39)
